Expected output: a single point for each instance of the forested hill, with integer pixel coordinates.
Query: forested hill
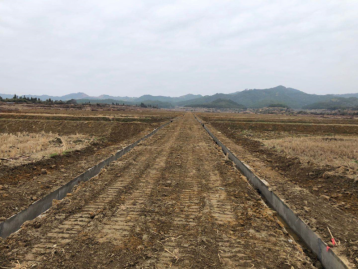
(254, 98)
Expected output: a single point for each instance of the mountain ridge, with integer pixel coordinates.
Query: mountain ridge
(251, 98)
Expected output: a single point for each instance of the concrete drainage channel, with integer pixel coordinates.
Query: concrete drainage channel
(328, 258)
(14, 223)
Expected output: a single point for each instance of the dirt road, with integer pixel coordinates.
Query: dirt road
(174, 201)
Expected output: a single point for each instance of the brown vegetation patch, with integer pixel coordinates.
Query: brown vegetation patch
(336, 151)
(338, 185)
(21, 148)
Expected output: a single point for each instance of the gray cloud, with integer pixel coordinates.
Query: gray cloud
(176, 47)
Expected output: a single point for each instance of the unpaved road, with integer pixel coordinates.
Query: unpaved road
(174, 201)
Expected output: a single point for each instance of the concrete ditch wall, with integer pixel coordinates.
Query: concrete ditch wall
(14, 223)
(328, 258)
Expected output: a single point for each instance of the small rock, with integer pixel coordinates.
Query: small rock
(315, 189)
(325, 197)
(34, 198)
(325, 175)
(43, 171)
(53, 166)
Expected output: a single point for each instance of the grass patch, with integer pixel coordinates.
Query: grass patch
(66, 152)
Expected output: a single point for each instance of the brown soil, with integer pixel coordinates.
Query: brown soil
(22, 185)
(295, 128)
(321, 198)
(342, 190)
(269, 118)
(23, 116)
(174, 201)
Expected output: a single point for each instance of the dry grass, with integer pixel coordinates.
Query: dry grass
(26, 147)
(337, 151)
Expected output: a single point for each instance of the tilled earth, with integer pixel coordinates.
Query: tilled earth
(174, 201)
(22, 185)
(320, 201)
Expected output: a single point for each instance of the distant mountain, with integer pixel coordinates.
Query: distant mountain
(347, 95)
(3, 95)
(254, 98)
(103, 101)
(175, 100)
(335, 103)
(155, 103)
(81, 95)
(219, 103)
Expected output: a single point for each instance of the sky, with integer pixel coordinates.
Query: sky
(172, 48)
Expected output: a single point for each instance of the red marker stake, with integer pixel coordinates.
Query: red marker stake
(332, 238)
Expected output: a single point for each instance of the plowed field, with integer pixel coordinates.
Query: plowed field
(174, 201)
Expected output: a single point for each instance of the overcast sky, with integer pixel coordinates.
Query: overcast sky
(131, 48)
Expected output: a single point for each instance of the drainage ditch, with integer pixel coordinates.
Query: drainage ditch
(327, 257)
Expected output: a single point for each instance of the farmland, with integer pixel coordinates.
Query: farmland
(311, 162)
(43, 148)
(175, 200)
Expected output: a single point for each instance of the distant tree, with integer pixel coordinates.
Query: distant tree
(142, 105)
(72, 101)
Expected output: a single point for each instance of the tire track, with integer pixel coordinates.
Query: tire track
(182, 205)
(118, 227)
(247, 215)
(74, 224)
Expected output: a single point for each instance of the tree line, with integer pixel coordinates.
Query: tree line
(35, 100)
